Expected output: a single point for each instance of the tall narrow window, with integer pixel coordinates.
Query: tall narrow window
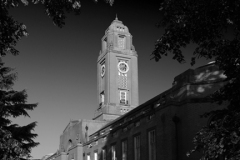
(124, 150)
(88, 157)
(102, 97)
(122, 80)
(137, 143)
(123, 68)
(123, 97)
(95, 155)
(104, 157)
(113, 152)
(121, 42)
(72, 157)
(152, 145)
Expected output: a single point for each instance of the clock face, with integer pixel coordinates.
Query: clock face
(102, 70)
(123, 67)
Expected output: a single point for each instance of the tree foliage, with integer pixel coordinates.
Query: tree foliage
(221, 138)
(214, 26)
(15, 141)
(11, 31)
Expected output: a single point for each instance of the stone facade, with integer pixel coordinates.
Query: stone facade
(117, 73)
(161, 128)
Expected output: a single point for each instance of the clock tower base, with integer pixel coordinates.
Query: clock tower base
(106, 117)
(104, 112)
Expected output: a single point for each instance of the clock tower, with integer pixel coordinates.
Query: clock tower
(117, 73)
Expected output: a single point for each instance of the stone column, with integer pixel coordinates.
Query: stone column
(63, 156)
(79, 155)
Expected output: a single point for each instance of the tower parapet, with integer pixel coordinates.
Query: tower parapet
(117, 39)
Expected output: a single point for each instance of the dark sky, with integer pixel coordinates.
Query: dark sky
(58, 67)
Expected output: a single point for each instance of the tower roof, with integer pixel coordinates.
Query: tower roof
(116, 20)
(117, 25)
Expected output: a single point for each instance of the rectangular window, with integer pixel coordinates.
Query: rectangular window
(88, 157)
(104, 139)
(113, 152)
(101, 98)
(95, 155)
(121, 42)
(137, 144)
(124, 150)
(137, 123)
(72, 157)
(123, 97)
(152, 145)
(122, 80)
(104, 157)
(151, 116)
(115, 134)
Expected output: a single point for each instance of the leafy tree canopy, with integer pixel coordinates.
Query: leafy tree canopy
(214, 26)
(11, 31)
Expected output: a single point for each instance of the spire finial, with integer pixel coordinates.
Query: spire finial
(116, 17)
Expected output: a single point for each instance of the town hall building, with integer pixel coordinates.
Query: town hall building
(160, 129)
